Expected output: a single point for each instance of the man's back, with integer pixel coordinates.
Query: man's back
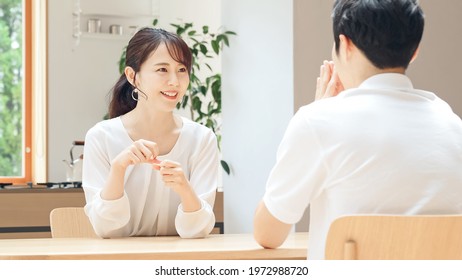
(370, 143)
(384, 148)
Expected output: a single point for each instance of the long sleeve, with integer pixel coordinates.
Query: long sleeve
(204, 180)
(107, 217)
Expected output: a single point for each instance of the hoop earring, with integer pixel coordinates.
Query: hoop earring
(133, 94)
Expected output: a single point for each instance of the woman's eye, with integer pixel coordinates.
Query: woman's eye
(182, 70)
(162, 70)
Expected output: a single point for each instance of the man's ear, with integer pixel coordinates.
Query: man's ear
(346, 46)
(130, 74)
(415, 55)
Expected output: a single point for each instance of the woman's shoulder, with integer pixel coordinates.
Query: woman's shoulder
(197, 138)
(196, 128)
(105, 127)
(196, 134)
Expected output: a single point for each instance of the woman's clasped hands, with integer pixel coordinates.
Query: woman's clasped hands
(145, 151)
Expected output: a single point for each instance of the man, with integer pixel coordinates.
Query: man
(370, 143)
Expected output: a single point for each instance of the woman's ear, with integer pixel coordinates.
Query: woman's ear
(130, 74)
(415, 55)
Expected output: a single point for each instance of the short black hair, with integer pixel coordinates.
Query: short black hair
(388, 32)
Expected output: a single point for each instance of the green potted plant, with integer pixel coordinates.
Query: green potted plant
(203, 98)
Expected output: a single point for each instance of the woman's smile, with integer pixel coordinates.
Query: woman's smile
(170, 94)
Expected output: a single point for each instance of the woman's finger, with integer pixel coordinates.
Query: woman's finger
(144, 151)
(166, 171)
(155, 163)
(136, 152)
(152, 147)
(169, 164)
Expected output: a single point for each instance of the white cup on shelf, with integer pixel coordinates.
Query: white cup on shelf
(94, 25)
(116, 29)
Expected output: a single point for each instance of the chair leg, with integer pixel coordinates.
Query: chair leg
(349, 250)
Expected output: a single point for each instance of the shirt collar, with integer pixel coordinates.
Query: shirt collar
(387, 81)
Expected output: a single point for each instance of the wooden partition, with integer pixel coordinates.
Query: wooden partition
(24, 213)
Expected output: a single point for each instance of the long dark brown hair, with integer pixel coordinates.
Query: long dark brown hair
(140, 47)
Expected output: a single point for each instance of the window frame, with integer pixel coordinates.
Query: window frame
(27, 98)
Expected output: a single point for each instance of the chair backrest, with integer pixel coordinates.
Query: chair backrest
(388, 237)
(70, 222)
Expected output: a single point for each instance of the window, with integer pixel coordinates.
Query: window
(15, 91)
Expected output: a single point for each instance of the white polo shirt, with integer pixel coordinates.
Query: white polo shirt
(383, 147)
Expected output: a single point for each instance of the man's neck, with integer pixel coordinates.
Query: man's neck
(370, 71)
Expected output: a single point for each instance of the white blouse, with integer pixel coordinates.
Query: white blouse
(148, 207)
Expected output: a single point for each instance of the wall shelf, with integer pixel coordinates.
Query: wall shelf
(120, 16)
(128, 15)
(105, 36)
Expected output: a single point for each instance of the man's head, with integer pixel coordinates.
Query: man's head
(388, 32)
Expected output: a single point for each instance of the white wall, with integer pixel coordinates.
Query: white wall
(312, 45)
(313, 41)
(436, 69)
(81, 77)
(438, 66)
(257, 100)
(78, 80)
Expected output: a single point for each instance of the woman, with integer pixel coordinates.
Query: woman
(147, 171)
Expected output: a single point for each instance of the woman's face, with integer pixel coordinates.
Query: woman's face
(162, 79)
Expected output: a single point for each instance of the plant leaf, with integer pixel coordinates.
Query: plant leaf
(197, 104)
(195, 52)
(225, 166)
(215, 46)
(184, 103)
(203, 49)
(180, 30)
(203, 90)
(225, 40)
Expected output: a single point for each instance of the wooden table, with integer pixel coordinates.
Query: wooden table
(214, 247)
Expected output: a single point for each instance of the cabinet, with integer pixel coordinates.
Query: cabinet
(94, 19)
(25, 212)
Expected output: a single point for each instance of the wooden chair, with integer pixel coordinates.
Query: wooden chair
(388, 237)
(70, 222)
(73, 222)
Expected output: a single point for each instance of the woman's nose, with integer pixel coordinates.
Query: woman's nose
(173, 80)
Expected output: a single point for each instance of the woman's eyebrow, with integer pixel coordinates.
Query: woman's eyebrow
(168, 64)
